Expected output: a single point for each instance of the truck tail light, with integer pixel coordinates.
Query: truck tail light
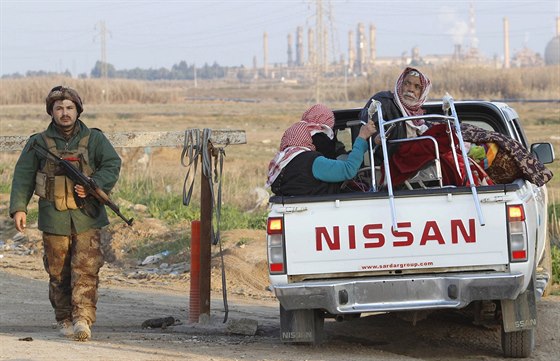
(275, 241)
(517, 233)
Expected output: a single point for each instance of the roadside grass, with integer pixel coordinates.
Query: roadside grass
(556, 266)
(6, 170)
(169, 207)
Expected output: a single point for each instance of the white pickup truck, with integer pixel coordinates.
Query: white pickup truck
(483, 249)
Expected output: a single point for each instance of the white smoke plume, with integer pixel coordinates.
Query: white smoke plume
(451, 23)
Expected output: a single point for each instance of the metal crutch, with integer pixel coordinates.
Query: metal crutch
(386, 162)
(371, 111)
(448, 105)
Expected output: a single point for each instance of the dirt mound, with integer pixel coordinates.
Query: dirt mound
(121, 241)
(245, 262)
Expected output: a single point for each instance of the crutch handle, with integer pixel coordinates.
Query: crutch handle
(447, 100)
(372, 109)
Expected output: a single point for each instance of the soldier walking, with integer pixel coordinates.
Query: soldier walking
(70, 220)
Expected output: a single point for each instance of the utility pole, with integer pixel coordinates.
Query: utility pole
(103, 36)
(319, 46)
(318, 63)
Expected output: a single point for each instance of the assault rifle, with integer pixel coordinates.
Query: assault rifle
(79, 178)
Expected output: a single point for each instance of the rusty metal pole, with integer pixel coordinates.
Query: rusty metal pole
(205, 238)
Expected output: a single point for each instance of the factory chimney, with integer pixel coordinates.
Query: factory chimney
(351, 53)
(506, 43)
(299, 46)
(360, 48)
(372, 49)
(311, 47)
(290, 54)
(265, 58)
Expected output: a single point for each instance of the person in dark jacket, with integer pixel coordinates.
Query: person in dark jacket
(304, 164)
(410, 92)
(71, 235)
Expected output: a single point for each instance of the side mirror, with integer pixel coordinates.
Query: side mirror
(543, 152)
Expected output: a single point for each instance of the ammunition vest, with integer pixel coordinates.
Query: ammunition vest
(51, 183)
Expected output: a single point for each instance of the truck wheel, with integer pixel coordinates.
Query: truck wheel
(518, 344)
(301, 326)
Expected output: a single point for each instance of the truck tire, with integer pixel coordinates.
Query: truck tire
(518, 344)
(301, 326)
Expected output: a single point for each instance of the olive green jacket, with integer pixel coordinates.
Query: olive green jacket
(103, 160)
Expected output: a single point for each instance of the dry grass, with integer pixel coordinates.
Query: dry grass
(128, 105)
(460, 81)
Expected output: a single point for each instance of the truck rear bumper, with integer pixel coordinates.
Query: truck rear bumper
(388, 294)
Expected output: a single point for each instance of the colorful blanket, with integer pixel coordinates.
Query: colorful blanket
(512, 160)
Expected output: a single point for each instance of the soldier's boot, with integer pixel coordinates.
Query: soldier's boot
(82, 331)
(65, 328)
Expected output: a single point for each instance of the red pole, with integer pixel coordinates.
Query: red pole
(194, 299)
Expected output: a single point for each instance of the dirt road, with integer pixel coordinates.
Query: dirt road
(26, 332)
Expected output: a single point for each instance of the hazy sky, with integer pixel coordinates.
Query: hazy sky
(66, 35)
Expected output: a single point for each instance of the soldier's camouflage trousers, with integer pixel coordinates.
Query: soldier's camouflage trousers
(73, 264)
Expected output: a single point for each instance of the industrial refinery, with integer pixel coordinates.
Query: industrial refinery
(361, 57)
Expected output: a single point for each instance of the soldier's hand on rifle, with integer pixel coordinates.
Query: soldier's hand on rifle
(20, 220)
(80, 190)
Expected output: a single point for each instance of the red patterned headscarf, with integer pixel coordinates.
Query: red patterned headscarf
(417, 126)
(319, 119)
(416, 108)
(298, 138)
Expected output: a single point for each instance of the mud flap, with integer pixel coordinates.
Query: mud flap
(521, 313)
(301, 326)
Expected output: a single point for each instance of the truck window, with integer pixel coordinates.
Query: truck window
(520, 133)
(345, 137)
(480, 123)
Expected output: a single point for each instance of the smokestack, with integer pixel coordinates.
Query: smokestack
(360, 48)
(351, 54)
(299, 46)
(290, 45)
(372, 49)
(558, 26)
(311, 47)
(506, 43)
(265, 58)
(457, 52)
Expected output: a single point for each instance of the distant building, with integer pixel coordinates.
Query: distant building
(525, 58)
(552, 52)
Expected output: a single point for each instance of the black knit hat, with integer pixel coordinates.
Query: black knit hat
(60, 93)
